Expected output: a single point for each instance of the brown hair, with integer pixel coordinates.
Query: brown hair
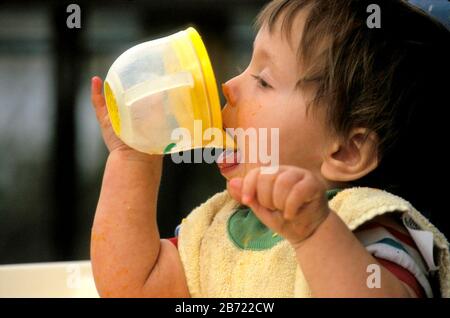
(391, 80)
(356, 72)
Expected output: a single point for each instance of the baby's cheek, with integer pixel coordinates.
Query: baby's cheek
(249, 110)
(300, 152)
(262, 135)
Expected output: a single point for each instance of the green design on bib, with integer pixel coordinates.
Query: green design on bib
(247, 232)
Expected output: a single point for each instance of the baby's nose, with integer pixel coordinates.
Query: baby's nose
(229, 94)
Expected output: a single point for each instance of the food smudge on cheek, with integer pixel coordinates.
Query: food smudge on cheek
(98, 237)
(254, 107)
(245, 110)
(122, 272)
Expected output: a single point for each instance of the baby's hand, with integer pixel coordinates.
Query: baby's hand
(112, 142)
(291, 202)
(98, 101)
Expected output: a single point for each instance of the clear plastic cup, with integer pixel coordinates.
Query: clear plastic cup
(162, 85)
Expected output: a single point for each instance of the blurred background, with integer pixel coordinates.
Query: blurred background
(51, 152)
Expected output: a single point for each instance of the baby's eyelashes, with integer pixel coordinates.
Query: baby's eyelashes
(261, 82)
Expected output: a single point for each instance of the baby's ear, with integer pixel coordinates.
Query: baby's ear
(352, 158)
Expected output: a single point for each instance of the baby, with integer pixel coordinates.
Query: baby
(343, 96)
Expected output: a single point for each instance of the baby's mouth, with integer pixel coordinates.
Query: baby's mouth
(228, 158)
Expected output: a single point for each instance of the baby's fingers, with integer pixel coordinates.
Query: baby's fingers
(97, 98)
(282, 187)
(302, 193)
(235, 188)
(249, 186)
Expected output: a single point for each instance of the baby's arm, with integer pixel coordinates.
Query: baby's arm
(344, 265)
(128, 257)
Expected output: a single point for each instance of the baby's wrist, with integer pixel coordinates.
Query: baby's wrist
(313, 229)
(128, 154)
(135, 167)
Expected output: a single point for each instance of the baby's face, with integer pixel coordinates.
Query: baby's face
(265, 96)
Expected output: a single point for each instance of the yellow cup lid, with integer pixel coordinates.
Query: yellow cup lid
(210, 83)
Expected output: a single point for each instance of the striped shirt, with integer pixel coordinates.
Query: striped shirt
(398, 253)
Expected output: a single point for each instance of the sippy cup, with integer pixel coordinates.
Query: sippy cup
(158, 87)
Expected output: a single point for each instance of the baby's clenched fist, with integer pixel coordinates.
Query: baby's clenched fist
(291, 202)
